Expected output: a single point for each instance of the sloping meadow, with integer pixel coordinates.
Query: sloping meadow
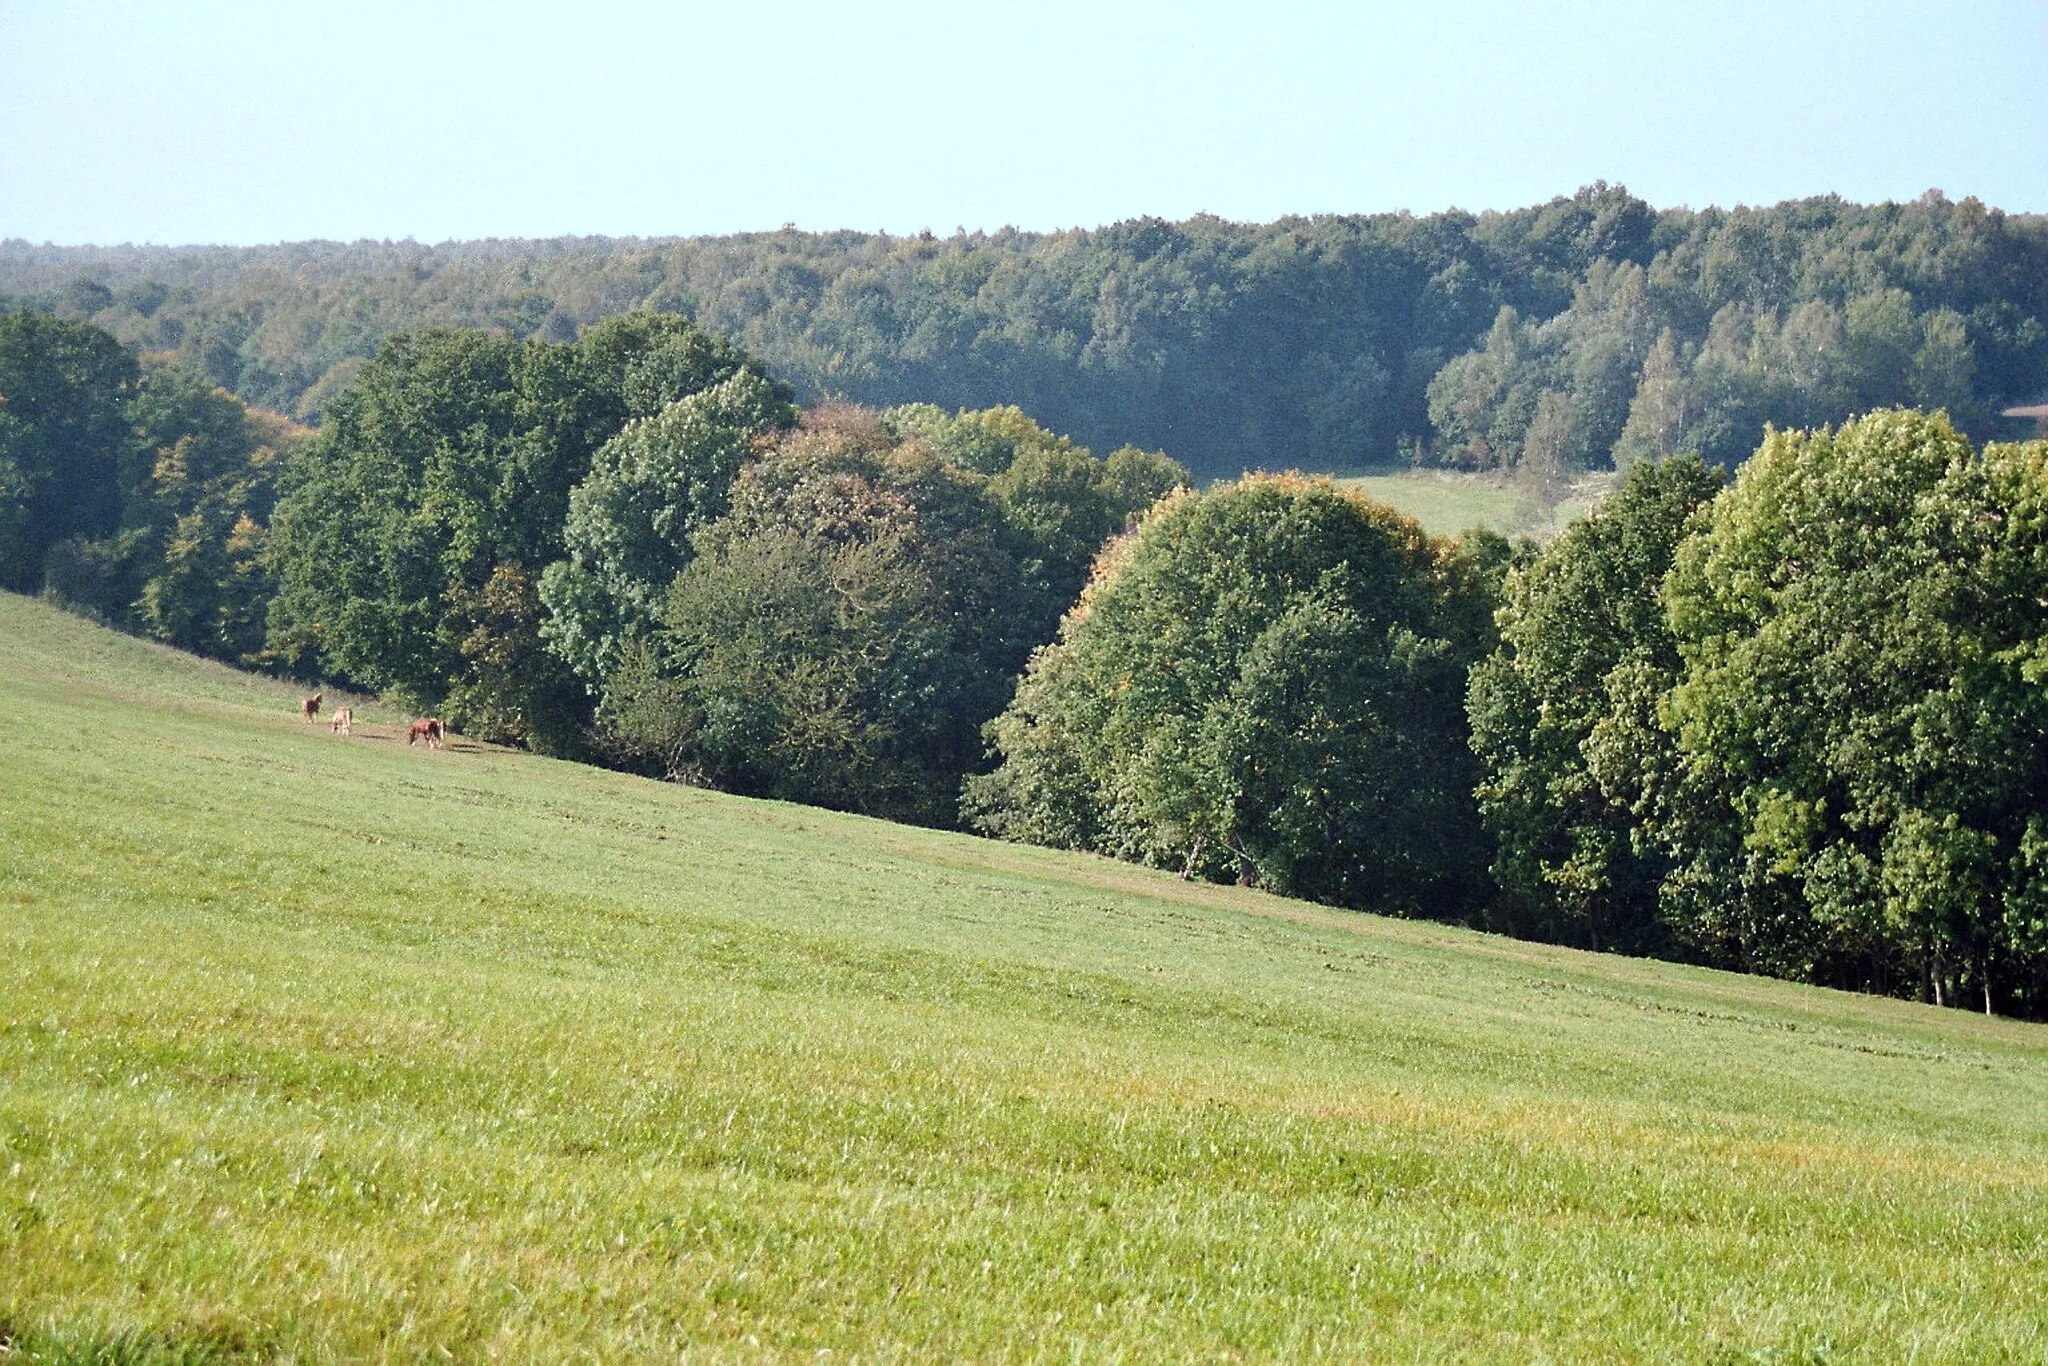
(316, 1046)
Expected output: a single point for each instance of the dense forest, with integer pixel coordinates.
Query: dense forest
(1562, 337)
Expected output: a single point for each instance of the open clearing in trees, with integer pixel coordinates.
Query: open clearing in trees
(1447, 503)
(317, 1046)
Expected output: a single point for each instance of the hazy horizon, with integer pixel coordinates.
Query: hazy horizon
(1020, 229)
(204, 124)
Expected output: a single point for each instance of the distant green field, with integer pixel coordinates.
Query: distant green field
(1446, 504)
(314, 1047)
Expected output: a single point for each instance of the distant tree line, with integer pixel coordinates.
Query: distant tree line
(1585, 332)
(1792, 723)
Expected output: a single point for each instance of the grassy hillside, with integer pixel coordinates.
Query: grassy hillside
(1447, 504)
(313, 1047)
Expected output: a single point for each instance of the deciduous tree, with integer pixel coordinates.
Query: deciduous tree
(1261, 683)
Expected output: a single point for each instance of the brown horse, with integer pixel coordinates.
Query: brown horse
(344, 717)
(427, 728)
(309, 707)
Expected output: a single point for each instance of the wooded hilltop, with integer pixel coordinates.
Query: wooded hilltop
(1558, 334)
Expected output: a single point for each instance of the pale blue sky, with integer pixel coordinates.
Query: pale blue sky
(219, 122)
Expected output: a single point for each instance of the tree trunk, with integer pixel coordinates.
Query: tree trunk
(1187, 870)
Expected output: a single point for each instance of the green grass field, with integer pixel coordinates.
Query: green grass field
(313, 1047)
(1447, 504)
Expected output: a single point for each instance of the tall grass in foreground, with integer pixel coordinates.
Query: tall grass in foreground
(314, 1047)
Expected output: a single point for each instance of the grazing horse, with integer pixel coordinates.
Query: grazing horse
(309, 707)
(427, 728)
(344, 717)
